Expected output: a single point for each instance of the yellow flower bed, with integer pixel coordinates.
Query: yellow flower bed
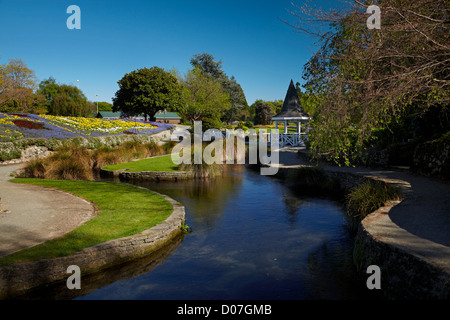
(95, 124)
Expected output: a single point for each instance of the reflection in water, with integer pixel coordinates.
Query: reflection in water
(253, 238)
(92, 282)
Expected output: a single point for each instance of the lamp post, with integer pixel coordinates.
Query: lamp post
(97, 103)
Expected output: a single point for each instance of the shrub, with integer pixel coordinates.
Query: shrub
(211, 123)
(248, 124)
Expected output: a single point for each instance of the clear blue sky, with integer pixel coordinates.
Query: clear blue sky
(119, 36)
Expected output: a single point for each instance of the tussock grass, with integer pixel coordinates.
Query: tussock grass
(369, 196)
(77, 162)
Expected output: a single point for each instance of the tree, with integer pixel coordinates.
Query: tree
(103, 106)
(275, 106)
(364, 80)
(237, 99)
(17, 86)
(206, 63)
(263, 113)
(64, 100)
(146, 91)
(204, 96)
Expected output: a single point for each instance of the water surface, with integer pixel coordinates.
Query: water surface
(253, 238)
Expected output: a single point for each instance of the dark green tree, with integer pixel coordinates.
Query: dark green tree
(64, 100)
(146, 91)
(263, 113)
(207, 64)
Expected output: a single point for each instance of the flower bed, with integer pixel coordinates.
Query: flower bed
(23, 126)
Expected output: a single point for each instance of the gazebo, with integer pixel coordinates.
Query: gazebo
(292, 111)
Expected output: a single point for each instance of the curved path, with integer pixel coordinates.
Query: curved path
(420, 224)
(30, 215)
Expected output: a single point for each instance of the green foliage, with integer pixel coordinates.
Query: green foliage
(104, 106)
(263, 114)
(204, 96)
(146, 91)
(365, 84)
(211, 123)
(17, 86)
(206, 63)
(64, 100)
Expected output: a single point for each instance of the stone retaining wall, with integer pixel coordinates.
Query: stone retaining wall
(405, 274)
(147, 175)
(22, 277)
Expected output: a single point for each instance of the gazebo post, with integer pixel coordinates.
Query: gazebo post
(285, 126)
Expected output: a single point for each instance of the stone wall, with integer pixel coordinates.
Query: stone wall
(18, 279)
(123, 175)
(405, 274)
(23, 150)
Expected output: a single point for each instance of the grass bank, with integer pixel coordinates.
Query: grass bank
(123, 210)
(160, 163)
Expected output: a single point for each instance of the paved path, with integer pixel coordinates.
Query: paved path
(30, 215)
(420, 224)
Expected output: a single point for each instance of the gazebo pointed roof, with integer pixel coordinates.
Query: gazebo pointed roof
(292, 108)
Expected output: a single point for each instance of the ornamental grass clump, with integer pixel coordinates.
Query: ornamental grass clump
(369, 196)
(74, 161)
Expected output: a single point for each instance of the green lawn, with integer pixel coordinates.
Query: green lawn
(123, 210)
(163, 163)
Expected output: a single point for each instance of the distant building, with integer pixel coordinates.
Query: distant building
(167, 117)
(109, 115)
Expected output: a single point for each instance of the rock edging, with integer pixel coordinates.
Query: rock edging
(407, 271)
(124, 175)
(18, 279)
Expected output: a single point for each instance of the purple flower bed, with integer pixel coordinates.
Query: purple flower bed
(52, 131)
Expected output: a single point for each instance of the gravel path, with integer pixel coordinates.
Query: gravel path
(30, 215)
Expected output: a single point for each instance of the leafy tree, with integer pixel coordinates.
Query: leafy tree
(204, 96)
(64, 100)
(275, 106)
(362, 81)
(263, 113)
(104, 106)
(206, 63)
(17, 88)
(146, 91)
(237, 99)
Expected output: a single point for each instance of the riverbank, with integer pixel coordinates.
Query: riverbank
(22, 277)
(409, 240)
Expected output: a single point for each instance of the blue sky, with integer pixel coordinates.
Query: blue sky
(119, 36)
